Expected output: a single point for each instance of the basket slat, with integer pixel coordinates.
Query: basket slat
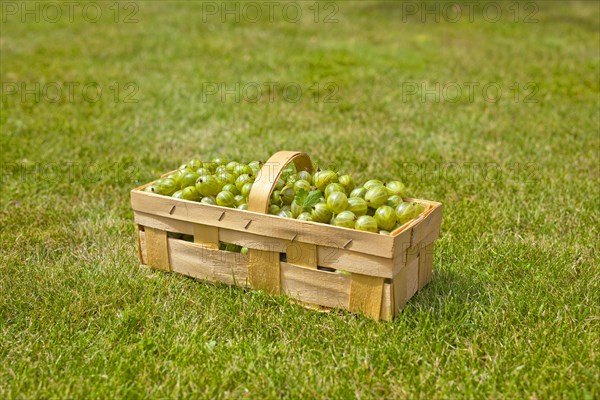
(265, 225)
(207, 235)
(366, 294)
(204, 262)
(263, 270)
(302, 254)
(430, 223)
(406, 284)
(426, 265)
(313, 286)
(157, 249)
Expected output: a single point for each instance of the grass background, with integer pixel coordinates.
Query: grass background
(513, 310)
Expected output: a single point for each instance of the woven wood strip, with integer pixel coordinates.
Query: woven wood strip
(264, 270)
(157, 249)
(303, 254)
(206, 235)
(258, 200)
(366, 293)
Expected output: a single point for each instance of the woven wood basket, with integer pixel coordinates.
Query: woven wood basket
(288, 256)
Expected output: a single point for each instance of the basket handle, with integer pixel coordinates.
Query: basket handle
(264, 184)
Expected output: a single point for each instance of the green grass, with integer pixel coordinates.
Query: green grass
(513, 310)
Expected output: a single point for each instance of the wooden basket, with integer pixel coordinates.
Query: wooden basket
(288, 256)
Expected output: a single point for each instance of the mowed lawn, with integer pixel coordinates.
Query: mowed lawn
(514, 307)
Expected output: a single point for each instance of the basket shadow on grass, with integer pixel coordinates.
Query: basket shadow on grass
(446, 286)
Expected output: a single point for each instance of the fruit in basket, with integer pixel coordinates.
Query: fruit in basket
(167, 187)
(225, 199)
(220, 161)
(255, 165)
(177, 194)
(287, 195)
(334, 187)
(208, 185)
(305, 175)
(225, 178)
(291, 179)
(296, 208)
(372, 183)
(321, 213)
(189, 179)
(358, 192)
(232, 165)
(345, 219)
(255, 170)
(274, 209)
(209, 200)
(243, 179)
(194, 164)
(289, 169)
(190, 193)
(417, 209)
(400, 208)
(276, 198)
(357, 205)
(337, 202)
(366, 223)
(242, 206)
(151, 189)
(285, 214)
(301, 184)
(396, 188)
(304, 216)
(347, 182)
(279, 184)
(239, 200)
(242, 169)
(407, 211)
(176, 177)
(211, 166)
(231, 188)
(376, 196)
(323, 178)
(393, 201)
(246, 189)
(231, 247)
(385, 216)
(203, 171)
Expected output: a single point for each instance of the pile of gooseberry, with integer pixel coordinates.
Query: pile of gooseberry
(324, 196)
